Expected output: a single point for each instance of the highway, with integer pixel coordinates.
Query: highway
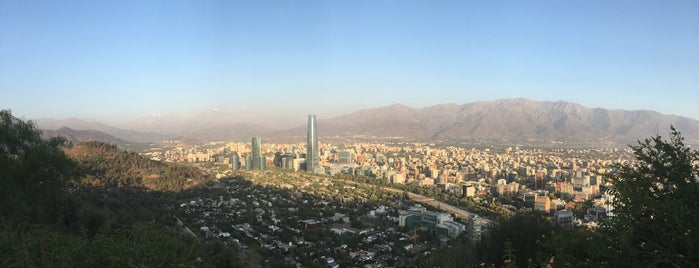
(463, 214)
(440, 205)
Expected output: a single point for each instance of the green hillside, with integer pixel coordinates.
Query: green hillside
(46, 221)
(104, 165)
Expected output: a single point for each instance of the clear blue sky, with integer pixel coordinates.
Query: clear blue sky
(111, 59)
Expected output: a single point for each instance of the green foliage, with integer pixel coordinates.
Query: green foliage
(32, 173)
(94, 209)
(138, 245)
(520, 237)
(509, 260)
(221, 254)
(575, 248)
(655, 206)
(44, 225)
(460, 254)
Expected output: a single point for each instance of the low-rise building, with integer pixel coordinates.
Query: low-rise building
(439, 222)
(564, 217)
(542, 204)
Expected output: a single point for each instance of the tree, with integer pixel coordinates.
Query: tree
(46, 223)
(655, 212)
(509, 239)
(577, 247)
(33, 172)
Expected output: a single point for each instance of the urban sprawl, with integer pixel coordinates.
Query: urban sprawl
(364, 202)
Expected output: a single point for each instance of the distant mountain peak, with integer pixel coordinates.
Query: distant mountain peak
(399, 105)
(395, 107)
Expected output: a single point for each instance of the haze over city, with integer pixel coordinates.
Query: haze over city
(398, 133)
(274, 62)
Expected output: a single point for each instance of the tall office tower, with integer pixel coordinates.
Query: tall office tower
(248, 163)
(312, 145)
(289, 162)
(256, 151)
(263, 163)
(235, 162)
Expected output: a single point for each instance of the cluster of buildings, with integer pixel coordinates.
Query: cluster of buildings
(255, 160)
(550, 181)
(439, 222)
(303, 221)
(546, 180)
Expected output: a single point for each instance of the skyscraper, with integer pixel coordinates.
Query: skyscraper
(235, 162)
(263, 163)
(248, 163)
(256, 151)
(312, 145)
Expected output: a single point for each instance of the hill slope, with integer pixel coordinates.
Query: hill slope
(79, 124)
(105, 165)
(78, 136)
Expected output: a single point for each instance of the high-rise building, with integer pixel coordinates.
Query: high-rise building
(235, 162)
(289, 162)
(248, 162)
(346, 157)
(312, 145)
(263, 163)
(256, 151)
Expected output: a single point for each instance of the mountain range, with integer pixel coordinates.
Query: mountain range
(77, 136)
(74, 124)
(507, 119)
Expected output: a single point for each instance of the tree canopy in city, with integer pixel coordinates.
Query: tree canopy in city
(654, 200)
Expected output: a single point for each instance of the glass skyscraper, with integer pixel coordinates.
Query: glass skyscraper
(312, 145)
(235, 162)
(248, 163)
(263, 163)
(256, 151)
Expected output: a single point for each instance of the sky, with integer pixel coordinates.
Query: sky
(122, 60)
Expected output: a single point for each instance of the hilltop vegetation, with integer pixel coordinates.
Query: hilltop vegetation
(45, 222)
(104, 165)
(32, 172)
